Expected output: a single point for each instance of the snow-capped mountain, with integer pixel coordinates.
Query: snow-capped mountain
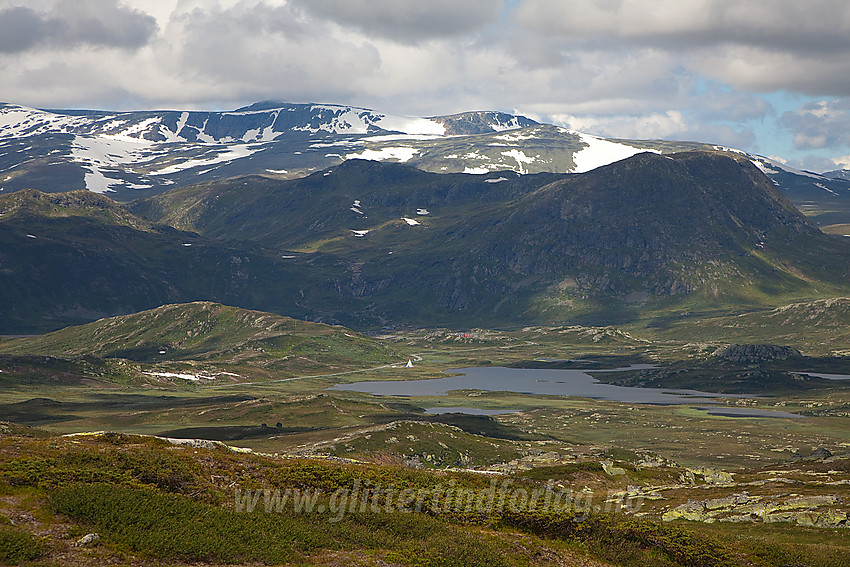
(138, 154)
(838, 174)
(116, 152)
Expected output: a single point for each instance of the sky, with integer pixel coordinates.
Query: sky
(766, 76)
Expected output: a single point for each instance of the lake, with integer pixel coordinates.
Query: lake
(726, 411)
(826, 376)
(468, 410)
(561, 382)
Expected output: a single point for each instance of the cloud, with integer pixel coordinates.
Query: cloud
(20, 29)
(814, 26)
(818, 163)
(254, 51)
(820, 124)
(73, 23)
(621, 68)
(406, 22)
(784, 44)
(669, 125)
(842, 162)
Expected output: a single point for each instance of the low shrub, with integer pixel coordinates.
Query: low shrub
(17, 546)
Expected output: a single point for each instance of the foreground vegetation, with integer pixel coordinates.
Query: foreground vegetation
(150, 501)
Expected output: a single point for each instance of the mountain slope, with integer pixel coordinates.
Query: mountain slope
(700, 226)
(369, 244)
(819, 327)
(64, 260)
(135, 154)
(204, 331)
(357, 195)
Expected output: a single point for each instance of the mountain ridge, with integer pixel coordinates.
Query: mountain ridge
(139, 154)
(207, 331)
(707, 224)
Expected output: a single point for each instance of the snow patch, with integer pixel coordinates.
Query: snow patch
(599, 152)
(411, 125)
(396, 137)
(476, 170)
(401, 154)
(520, 158)
(101, 154)
(360, 233)
(423, 212)
(191, 377)
(411, 222)
(497, 180)
(772, 166)
(515, 137)
(216, 156)
(512, 124)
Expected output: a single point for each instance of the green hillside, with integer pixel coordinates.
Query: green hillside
(209, 332)
(73, 258)
(369, 244)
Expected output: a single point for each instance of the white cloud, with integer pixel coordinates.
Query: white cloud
(783, 44)
(820, 124)
(669, 124)
(624, 68)
(842, 162)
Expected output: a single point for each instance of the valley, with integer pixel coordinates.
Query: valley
(652, 332)
(752, 486)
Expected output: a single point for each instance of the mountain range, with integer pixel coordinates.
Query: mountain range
(130, 155)
(370, 244)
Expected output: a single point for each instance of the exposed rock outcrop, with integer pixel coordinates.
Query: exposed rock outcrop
(752, 354)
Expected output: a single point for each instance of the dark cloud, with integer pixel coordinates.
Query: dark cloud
(261, 51)
(817, 125)
(406, 22)
(71, 23)
(765, 46)
(20, 29)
